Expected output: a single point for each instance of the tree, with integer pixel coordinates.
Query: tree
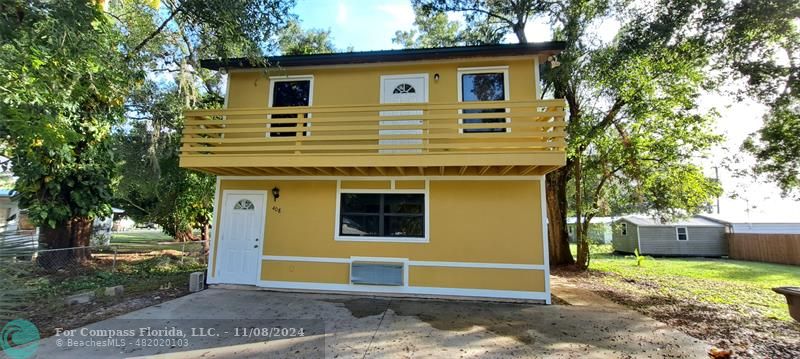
(68, 68)
(433, 29)
(64, 83)
(510, 14)
(171, 40)
(763, 47)
(293, 40)
(631, 106)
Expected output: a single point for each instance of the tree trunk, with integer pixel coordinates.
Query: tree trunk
(205, 234)
(556, 191)
(76, 232)
(583, 243)
(184, 236)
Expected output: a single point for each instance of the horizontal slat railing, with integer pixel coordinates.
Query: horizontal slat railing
(503, 127)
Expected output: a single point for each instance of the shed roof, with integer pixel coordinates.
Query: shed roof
(405, 55)
(696, 221)
(595, 220)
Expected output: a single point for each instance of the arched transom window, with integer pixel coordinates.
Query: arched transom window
(404, 88)
(244, 204)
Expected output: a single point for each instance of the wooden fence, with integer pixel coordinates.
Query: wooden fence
(771, 248)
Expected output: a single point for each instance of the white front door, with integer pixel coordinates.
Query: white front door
(241, 237)
(402, 89)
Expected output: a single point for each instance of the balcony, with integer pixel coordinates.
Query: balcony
(463, 138)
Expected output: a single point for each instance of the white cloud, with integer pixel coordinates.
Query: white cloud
(341, 13)
(401, 16)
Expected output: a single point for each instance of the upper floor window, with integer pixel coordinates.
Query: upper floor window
(290, 92)
(479, 85)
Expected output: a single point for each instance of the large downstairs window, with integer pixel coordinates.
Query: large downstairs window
(392, 215)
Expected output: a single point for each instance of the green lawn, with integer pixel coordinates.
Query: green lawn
(741, 284)
(141, 240)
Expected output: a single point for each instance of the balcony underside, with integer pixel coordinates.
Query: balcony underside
(505, 164)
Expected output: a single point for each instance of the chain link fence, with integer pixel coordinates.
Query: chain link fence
(36, 282)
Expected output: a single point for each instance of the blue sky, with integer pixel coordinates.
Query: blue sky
(363, 24)
(371, 24)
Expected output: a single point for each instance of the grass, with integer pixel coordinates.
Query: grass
(153, 240)
(747, 286)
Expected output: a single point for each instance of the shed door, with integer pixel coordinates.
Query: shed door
(402, 89)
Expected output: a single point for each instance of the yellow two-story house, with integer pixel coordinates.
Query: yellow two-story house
(405, 172)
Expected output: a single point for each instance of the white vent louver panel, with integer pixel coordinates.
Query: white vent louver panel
(376, 273)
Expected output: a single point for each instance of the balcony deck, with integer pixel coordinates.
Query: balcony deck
(378, 140)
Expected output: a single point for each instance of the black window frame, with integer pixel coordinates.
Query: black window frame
(504, 78)
(289, 125)
(381, 216)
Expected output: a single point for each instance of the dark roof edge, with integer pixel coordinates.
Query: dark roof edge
(406, 55)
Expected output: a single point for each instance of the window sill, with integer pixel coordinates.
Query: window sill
(381, 239)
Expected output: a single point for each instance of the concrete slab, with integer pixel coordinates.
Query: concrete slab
(389, 328)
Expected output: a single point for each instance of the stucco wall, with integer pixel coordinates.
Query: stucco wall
(486, 221)
(361, 85)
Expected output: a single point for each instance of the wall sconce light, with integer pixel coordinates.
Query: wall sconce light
(276, 192)
(436, 77)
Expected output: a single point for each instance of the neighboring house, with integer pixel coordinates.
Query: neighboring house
(413, 172)
(9, 210)
(695, 236)
(102, 227)
(599, 229)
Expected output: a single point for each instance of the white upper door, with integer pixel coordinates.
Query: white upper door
(411, 88)
(241, 238)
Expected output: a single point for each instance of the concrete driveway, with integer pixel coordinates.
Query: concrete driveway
(357, 326)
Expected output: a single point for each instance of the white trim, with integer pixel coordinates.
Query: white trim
(403, 261)
(285, 78)
(476, 265)
(638, 240)
(305, 259)
(545, 240)
(426, 218)
(382, 178)
(536, 78)
(402, 76)
(487, 293)
(215, 220)
(227, 89)
(225, 195)
(677, 234)
(481, 70)
(411, 263)
(225, 101)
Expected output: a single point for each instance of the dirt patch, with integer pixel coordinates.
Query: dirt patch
(749, 334)
(75, 316)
